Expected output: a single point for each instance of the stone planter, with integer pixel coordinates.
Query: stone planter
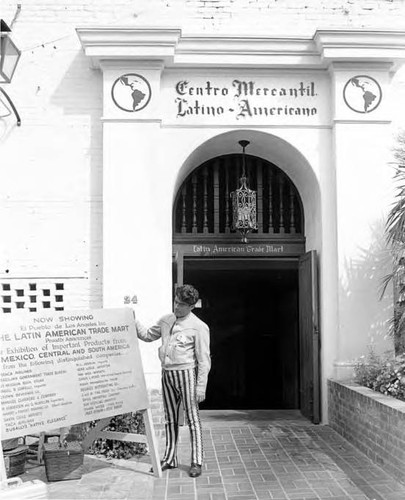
(372, 422)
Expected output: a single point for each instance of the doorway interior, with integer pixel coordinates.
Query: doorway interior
(251, 307)
(262, 310)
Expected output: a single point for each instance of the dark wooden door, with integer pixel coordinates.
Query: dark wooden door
(177, 270)
(309, 337)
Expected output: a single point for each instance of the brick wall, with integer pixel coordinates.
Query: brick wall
(268, 16)
(372, 422)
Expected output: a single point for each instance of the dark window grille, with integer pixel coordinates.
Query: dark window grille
(14, 296)
(203, 203)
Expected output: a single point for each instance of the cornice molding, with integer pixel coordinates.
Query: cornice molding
(361, 46)
(172, 49)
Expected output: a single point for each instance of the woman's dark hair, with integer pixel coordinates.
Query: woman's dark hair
(187, 294)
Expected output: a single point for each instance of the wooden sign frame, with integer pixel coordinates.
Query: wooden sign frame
(97, 432)
(103, 421)
(150, 438)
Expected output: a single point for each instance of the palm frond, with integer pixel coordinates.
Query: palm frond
(385, 282)
(395, 236)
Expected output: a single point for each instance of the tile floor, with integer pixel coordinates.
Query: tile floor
(249, 455)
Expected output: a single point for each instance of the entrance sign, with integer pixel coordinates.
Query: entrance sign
(245, 98)
(65, 368)
(241, 249)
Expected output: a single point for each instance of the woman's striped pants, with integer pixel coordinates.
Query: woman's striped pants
(179, 386)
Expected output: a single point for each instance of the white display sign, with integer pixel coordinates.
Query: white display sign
(68, 367)
(263, 98)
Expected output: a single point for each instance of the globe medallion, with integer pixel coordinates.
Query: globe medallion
(362, 94)
(131, 92)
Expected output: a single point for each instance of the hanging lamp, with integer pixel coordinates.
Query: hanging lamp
(244, 217)
(9, 57)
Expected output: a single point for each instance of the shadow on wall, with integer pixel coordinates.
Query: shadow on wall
(364, 314)
(80, 96)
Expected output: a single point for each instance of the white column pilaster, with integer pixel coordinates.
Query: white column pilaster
(361, 141)
(136, 204)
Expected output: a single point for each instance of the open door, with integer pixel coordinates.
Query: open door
(309, 337)
(177, 280)
(177, 270)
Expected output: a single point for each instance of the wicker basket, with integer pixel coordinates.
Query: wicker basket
(15, 461)
(9, 444)
(63, 461)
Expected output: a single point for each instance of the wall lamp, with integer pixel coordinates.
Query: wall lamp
(9, 57)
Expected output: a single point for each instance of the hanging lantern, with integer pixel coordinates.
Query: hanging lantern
(9, 57)
(244, 203)
(9, 54)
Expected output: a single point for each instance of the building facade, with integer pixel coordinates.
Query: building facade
(117, 184)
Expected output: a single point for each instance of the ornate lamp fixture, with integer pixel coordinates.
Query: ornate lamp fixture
(9, 57)
(244, 203)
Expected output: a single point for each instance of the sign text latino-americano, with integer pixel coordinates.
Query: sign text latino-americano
(245, 98)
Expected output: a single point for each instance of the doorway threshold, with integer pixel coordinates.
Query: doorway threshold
(246, 417)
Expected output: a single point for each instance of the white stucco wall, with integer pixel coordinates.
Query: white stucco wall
(144, 264)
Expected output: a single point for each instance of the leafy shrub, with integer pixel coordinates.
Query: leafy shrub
(128, 422)
(382, 374)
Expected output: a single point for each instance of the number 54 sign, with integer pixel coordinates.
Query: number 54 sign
(130, 300)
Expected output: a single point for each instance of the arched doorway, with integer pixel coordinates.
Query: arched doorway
(253, 296)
